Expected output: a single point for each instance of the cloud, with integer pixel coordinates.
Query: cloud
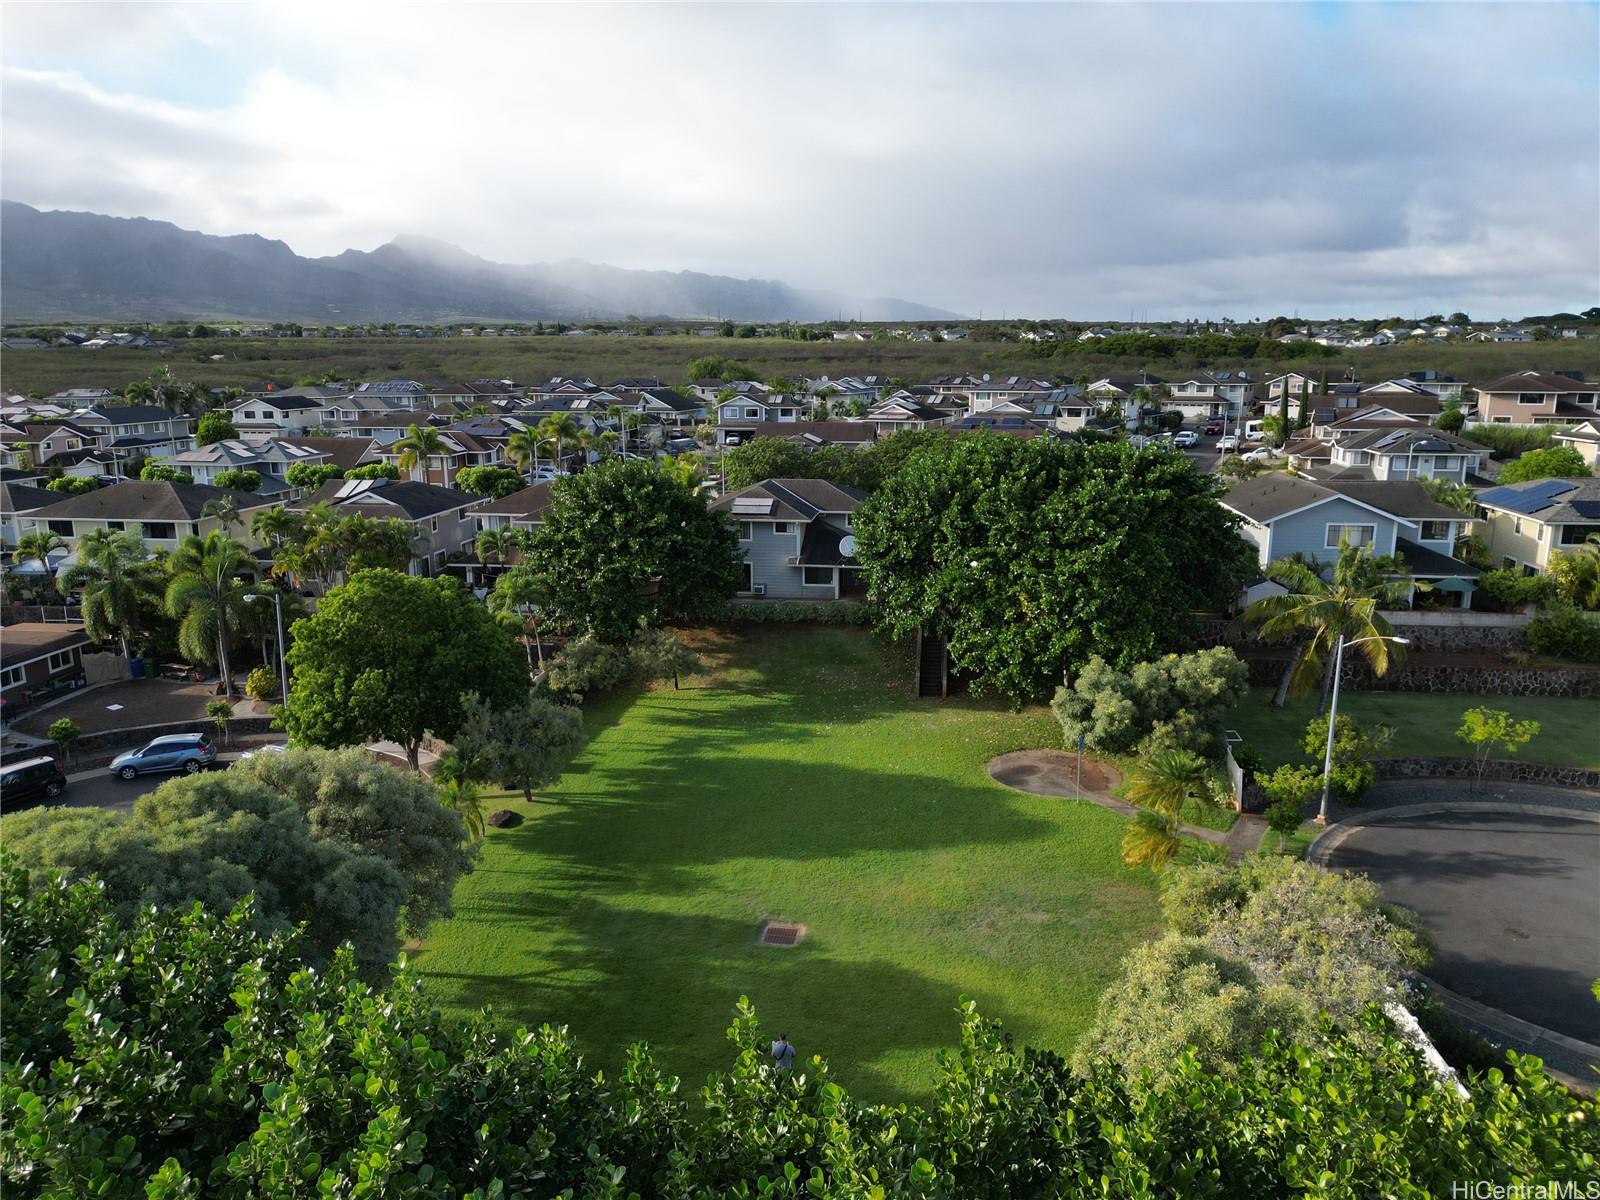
(1058, 160)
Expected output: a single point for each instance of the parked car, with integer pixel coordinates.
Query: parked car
(29, 780)
(1185, 438)
(1227, 445)
(187, 752)
(1262, 454)
(1215, 425)
(269, 748)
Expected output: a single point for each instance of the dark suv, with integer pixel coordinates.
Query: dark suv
(29, 780)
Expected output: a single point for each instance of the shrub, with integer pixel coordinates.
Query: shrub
(585, 666)
(72, 485)
(1510, 588)
(1354, 746)
(494, 482)
(797, 612)
(261, 684)
(310, 476)
(1564, 632)
(377, 470)
(157, 472)
(238, 479)
(64, 732)
(1174, 703)
(1556, 462)
(1508, 441)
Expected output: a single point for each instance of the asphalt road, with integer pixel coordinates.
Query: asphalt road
(107, 791)
(1512, 900)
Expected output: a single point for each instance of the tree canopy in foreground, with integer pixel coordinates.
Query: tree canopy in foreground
(178, 1054)
(1032, 556)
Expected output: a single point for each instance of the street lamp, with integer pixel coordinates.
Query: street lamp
(1333, 713)
(283, 665)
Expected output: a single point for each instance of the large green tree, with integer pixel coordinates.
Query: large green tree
(215, 426)
(388, 656)
(623, 544)
(1030, 557)
(523, 747)
(1558, 462)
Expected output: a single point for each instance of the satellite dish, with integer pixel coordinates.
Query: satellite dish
(847, 546)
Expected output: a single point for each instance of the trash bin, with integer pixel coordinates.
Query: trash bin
(136, 668)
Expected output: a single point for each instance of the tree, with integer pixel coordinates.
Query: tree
(522, 448)
(64, 732)
(215, 426)
(377, 470)
(308, 477)
(204, 593)
(494, 482)
(1458, 496)
(220, 712)
(37, 547)
(1290, 789)
(656, 654)
(388, 656)
(1316, 611)
(1174, 703)
(1557, 462)
(1451, 419)
(624, 544)
(559, 430)
(1354, 747)
(464, 798)
(72, 485)
(1488, 730)
(522, 746)
(420, 444)
(238, 480)
(760, 459)
(159, 472)
(119, 583)
(1161, 785)
(522, 596)
(1030, 557)
(1576, 572)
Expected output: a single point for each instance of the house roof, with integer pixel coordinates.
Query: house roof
(1538, 381)
(1551, 501)
(29, 641)
(136, 500)
(1588, 431)
(1268, 497)
(20, 498)
(1430, 564)
(127, 414)
(1411, 441)
(417, 501)
(790, 499)
(817, 433)
(822, 545)
(344, 452)
(527, 505)
(282, 401)
(240, 453)
(1397, 497)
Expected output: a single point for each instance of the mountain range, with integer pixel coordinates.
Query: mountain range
(60, 266)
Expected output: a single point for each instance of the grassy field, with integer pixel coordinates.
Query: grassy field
(1424, 725)
(795, 781)
(533, 359)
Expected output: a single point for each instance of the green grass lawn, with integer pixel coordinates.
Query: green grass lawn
(1425, 724)
(795, 781)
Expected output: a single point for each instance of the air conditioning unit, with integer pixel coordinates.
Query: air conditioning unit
(793, 560)
(758, 589)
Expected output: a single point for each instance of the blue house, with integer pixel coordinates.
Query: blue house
(795, 534)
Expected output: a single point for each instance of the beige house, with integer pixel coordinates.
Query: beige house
(1537, 398)
(1585, 439)
(164, 513)
(1524, 523)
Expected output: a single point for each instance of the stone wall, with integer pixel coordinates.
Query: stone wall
(1447, 632)
(1501, 770)
(138, 735)
(1266, 669)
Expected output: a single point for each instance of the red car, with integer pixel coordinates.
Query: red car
(1214, 426)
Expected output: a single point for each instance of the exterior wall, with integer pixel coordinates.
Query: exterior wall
(768, 554)
(181, 530)
(1306, 532)
(39, 673)
(1529, 548)
(448, 533)
(1498, 769)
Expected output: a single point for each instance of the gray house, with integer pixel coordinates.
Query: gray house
(1284, 515)
(441, 517)
(796, 538)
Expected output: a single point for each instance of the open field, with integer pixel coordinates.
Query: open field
(795, 781)
(533, 359)
(1425, 725)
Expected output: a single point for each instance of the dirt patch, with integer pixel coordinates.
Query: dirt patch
(1053, 773)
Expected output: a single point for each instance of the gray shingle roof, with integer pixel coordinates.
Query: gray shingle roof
(139, 501)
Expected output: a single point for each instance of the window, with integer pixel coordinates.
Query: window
(1577, 535)
(1530, 398)
(780, 527)
(1358, 535)
(1501, 421)
(817, 576)
(64, 528)
(746, 530)
(749, 579)
(434, 525)
(1516, 524)
(60, 661)
(1435, 531)
(12, 677)
(1508, 564)
(158, 531)
(116, 525)
(752, 414)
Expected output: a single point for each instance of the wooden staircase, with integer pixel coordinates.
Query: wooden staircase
(933, 667)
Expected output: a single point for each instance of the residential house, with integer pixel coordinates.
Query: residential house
(1537, 398)
(346, 453)
(442, 517)
(402, 393)
(1015, 389)
(80, 397)
(1405, 453)
(1120, 390)
(17, 501)
(796, 538)
(1583, 437)
(660, 405)
(135, 431)
(285, 410)
(809, 435)
(1210, 394)
(38, 660)
(523, 511)
(1284, 515)
(900, 410)
(271, 458)
(1524, 523)
(165, 513)
(738, 417)
(461, 450)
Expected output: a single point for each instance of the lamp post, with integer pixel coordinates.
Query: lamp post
(283, 665)
(1333, 713)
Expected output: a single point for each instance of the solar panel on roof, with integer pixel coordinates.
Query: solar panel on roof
(752, 505)
(1550, 487)
(1589, 510)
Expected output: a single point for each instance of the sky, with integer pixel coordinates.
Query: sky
(1084, 161)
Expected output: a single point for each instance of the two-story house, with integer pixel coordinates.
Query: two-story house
(286, 410)
(37, 661)
(1538, 398)
(271, 458)
(738, 417)
(1210, 394)
(1524, 523)
(442, 517)
(1285, 515)
(795, 534)
(164, 513)
(17, 502)
(901, 410)
(461, 450)
(132, 431)
(1401, 453)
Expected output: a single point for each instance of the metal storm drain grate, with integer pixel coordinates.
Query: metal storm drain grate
(775, 933)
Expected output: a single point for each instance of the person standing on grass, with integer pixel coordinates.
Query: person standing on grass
(782, 1053)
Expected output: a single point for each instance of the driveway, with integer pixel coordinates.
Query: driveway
(129, 703)
(1511, 896)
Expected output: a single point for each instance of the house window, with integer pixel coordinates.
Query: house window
(752, 414)
(780, 527)
(817, 576)
(1435, 531)
(1530, 398)
(161, 531)
(1357, 535)
(1577, 535)
(746, 531)
(434, 525)
(1508, 564)
(749, 578)
(12, 677)
(1516, 524)
(59, 661)
(62, 528)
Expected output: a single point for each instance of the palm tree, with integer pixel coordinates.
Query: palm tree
(114, 573)
(464, 798)
(604, 442)
(558, 429)
(522, 448)
(523, 593)
(687, 469)
(1316, 611)
(1161, 785)
(37, 547)
(496, 545)
(420, 443)
(204, 592)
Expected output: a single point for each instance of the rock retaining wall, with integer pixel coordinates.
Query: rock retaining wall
(1266, 669)
(1501, 770)
(1447, 632)
(138, 735)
